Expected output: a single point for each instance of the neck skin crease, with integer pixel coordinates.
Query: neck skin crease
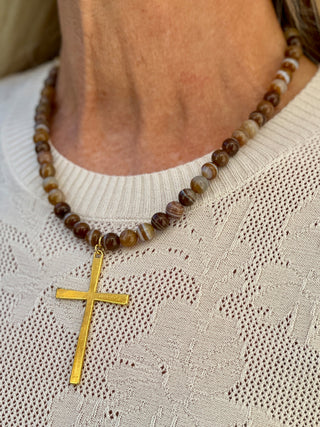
(145, 86)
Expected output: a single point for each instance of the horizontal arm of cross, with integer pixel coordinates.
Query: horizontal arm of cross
(71, 294)
(121, 299)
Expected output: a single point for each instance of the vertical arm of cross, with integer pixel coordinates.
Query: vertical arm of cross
(83, 336)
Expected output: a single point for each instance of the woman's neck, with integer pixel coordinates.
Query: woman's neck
(144, 86)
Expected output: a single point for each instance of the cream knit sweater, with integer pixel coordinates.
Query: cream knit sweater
(223, 328)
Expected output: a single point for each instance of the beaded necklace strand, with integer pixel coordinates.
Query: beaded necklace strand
(161, 220)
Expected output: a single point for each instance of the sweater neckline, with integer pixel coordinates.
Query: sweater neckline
(138, 197)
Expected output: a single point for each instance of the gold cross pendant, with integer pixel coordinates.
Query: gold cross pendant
(91, 296)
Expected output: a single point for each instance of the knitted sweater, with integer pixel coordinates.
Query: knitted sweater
(223, 325)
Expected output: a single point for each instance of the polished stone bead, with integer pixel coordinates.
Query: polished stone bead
(209, 170)
(231, 146)
(294, 41)
(240, 136)
(284, 75)
(42, 146)
(55, 196)
(47, 169)
(41, 135)
(258, 117)
(290, 64)
(250, 127)
(44, 108)
(41, 126)
(50, 183)
(187, 197)
(294, 52)
(220, 158)
(93, 236)
(291, 32)
(174, 210)
(70, 219)
(44, 157)
(48, 92)
(266, 108)
(110, 241)
(145, 231)
(160, 221)
(80, 229)
(272, 97)
(61, 209)
(128, 238)
(199, 184)
(279, 86)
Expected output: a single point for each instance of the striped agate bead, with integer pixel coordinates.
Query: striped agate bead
(70, 219)
(160, 221)
(209, 170)
(50, 183)
(174, 210)
(145, 231)
(240, 136)
(231, 146)
(110, 241)
(294, 52)
(128, 238)
(187, 197)
(250, 127)
(284, 75)
(44, 157)
(47, 169)
(266, 108)
(279, 86)
(92, 237)
(199, 184)
(258, 117)
(81, 229)
(220, 158)
(56, 196)
(290, 63)
(273, 97)
(61, 209)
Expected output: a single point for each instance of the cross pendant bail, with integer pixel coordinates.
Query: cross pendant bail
(90, 296)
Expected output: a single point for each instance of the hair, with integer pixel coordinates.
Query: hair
(30, 46)
(305, 16)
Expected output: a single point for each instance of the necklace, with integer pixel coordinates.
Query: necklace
(161, 220)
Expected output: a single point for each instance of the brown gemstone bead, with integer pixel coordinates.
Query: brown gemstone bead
(160, 221)
(199, 184)
(48, 92)
(290, 64)
(110, 241)
(187, 197)
(44, 157)
(55, 196)
(42, 121)
(44, 108)
(81, 229)
(209, 170)
(220, 158)
(272, 97)
(42, 146)
(128, 238)
(61, 209)
(284, 75)
(294, 52)
(240, 136)
(266, 108)
(92, 237)
(291, 32)
(145, 232)
(294, 41)
(47, 169)
(70, 219)
(50, 183)
(231, 146)
(174, 210)
(258, 117)
(41, 135)
(250, 127)
(279, 86)
(41, 126)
